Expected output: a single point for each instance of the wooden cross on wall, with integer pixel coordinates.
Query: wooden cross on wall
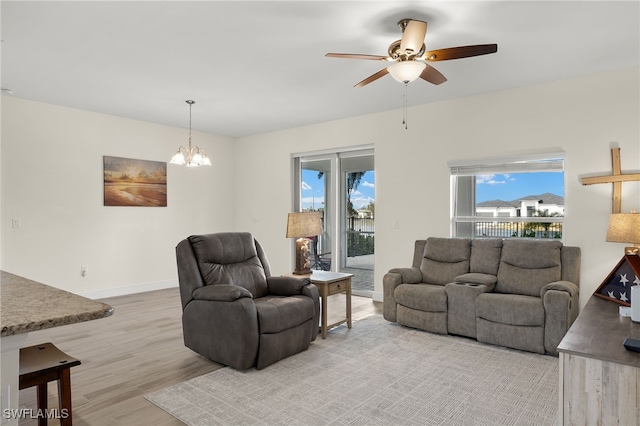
(616, 178)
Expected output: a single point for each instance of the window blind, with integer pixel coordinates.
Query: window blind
(547, 162)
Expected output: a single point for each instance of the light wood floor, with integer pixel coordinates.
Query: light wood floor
(134, 352)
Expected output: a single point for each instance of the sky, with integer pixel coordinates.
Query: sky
(508, 187)
(313, 190)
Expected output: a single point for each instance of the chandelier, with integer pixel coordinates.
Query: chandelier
(191, 156)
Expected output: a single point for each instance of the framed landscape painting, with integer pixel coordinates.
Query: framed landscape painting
(131, 182)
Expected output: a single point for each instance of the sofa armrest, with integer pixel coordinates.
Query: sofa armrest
(221, 293)
(561, 305)
(390, 281)
(567, 286)
(286, 285)
(409, 275)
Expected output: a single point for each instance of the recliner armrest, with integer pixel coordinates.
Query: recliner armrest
(221, 293)
(310, 290)
(409, 275)
(286, 285)
(566, 286)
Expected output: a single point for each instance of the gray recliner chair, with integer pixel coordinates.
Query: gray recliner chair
(234, 311)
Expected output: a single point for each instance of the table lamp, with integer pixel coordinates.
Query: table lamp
(625, 228)
(302, 225)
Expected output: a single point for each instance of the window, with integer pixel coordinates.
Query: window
(520, 196)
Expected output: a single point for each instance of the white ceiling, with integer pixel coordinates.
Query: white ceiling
(255, 67)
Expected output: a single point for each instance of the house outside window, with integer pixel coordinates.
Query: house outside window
(508, 197)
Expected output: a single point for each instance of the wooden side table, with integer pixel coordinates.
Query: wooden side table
(329, 283)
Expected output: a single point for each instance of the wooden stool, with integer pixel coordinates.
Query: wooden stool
(44, 363)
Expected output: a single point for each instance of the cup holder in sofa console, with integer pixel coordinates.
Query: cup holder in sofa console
(467, 284)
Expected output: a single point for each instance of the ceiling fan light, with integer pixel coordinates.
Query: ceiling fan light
(406, 71)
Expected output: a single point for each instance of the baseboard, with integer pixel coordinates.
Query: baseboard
(122, 291)
(377, 296)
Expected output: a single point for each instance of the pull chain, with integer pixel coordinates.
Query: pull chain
(404, 107)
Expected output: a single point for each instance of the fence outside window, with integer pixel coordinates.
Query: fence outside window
(360, 236)
(527, 227)
(518, 229)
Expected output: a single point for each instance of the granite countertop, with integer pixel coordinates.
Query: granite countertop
(599, 332)
(27, 305)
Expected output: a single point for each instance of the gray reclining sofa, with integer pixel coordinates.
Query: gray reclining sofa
(518, 293)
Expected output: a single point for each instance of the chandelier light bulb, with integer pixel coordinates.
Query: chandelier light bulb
(178, 158)
(197, 158)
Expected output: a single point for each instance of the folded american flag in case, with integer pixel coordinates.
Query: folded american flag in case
(617, 286)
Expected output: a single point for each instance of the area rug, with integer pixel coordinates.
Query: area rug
(377, 373)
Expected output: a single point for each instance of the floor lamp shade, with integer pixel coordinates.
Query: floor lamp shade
(625, 228)
(301, 226)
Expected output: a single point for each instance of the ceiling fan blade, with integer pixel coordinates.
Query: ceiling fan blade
(356, 56)
(432, 75)
(373, 77)
(413, 36)
(460, 52)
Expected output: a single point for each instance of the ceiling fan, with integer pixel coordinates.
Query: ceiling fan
(409, 55)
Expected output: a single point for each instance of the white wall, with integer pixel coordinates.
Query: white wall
(582, 116)
(52, 180)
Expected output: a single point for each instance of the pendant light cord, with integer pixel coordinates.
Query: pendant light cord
(190, 104)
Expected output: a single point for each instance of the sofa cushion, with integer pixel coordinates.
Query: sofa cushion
(423, 297)
(485, 255)
(444, 259)
(512, 309)
(528, 265)
(276, 313)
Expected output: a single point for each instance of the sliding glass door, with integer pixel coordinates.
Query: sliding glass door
(340, 185)
(316, 194)
(357, 217)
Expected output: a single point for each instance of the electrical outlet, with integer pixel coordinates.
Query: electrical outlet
(16, 223)
(396, 224)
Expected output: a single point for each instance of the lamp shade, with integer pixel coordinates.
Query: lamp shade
(406, 71)
(624, 228)
(304, 224)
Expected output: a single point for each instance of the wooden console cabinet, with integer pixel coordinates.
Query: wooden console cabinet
(599, 378)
